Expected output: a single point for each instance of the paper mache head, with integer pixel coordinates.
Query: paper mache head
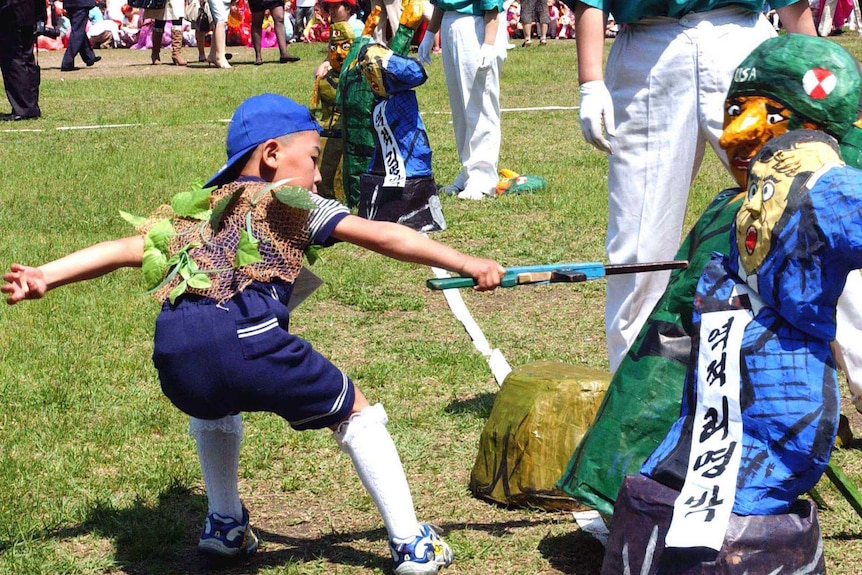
(340, 40)
(814, 77)
(387, 72)
(786, 83)
(798, 233)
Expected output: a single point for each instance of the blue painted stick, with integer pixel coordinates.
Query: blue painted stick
(554, 273)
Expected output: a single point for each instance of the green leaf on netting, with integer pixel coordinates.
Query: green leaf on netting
(153, 266)
(177, 291)
(185, 272)
(194, 203)
(295, 197)
(132, 219)
(159, 236)
(200, 281)
(221, 206)
(247, 252)
(312, 254)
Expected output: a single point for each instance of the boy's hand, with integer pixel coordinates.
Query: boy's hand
(486, 273)
(23, 282)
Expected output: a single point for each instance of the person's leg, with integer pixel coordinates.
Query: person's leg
(217, 46)
(177, 43)
(364, 437)
(480, 90)
(87, 54)
(218, 443)
(256, 32)
(280, 35)
(218, 24)
(379, 32)
(158, 32)
(457, 98)
(656, 151)
(528, 33)
(77, 37)
(201, 40)
(827, 12)
(21, 74)
(226, 530)
(527, 9)
(392, 8)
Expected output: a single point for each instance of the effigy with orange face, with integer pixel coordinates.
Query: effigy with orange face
(787, 83)
(324, 101)
(760, 404)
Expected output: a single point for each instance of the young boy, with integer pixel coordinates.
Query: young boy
(221, 340)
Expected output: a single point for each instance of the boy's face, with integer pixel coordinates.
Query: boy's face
(297, 160)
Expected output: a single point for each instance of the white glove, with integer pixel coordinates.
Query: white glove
(487, 55)
(597, 108)
(425, 47)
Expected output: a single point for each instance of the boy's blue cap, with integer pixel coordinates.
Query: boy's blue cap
(258, 119)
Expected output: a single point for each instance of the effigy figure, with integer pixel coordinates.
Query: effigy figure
(789, 82)
(399, 186)
(324, 100)
(356, 99)
(760, 404)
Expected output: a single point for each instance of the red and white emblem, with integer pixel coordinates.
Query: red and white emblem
(819, 83)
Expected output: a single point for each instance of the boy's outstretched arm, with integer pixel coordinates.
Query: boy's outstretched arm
(24, 282)
(403, 243)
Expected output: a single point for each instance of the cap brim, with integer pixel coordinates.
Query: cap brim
(230, 170)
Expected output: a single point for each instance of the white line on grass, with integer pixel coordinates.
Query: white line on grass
(530, 109)
(94, 127)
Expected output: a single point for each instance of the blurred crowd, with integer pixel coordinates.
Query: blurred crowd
(116, 24)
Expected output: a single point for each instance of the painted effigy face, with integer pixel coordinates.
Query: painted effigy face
(749, 122)
(770, 183)
(372, 63)
(340, 41)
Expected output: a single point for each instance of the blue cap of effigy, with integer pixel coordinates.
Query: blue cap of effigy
(256, 120)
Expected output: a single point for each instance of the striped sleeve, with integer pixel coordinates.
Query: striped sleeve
(323, 220)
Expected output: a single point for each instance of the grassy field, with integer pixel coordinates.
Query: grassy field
(98, 472)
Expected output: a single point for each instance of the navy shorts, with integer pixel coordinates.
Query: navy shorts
(215, 360)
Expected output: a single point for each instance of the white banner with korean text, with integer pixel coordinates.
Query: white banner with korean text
(393, 163)
(702, 510)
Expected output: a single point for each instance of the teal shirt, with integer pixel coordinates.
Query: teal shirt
(472, 7)
(629, 11)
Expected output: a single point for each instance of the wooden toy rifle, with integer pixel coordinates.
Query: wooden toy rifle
(555, 273)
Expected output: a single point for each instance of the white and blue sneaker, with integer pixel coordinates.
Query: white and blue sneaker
(226, 537)
(426, 553)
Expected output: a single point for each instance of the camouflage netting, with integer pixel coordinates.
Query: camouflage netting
(281, 229)
(538, 418)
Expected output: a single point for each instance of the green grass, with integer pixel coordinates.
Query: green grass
(98, 472)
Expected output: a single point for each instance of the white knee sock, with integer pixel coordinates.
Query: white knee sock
(365, 439)
(218, 442)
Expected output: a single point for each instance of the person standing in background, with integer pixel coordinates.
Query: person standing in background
(78, 11)
(304, 14)
(21, 73)
(668, 72)
(218, 24)
(172, 11)
(258, 12)
(473, 37)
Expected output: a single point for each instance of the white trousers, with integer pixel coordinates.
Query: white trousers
(474, 98)
(390, 14)
(668, 79)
